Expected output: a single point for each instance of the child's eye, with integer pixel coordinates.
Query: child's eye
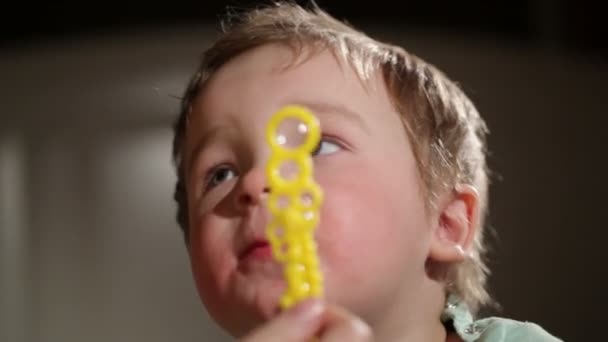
(219, 175)
(326, 147)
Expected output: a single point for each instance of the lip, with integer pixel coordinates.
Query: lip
(257, 250)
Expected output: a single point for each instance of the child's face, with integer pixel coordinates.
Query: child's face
(374, 233)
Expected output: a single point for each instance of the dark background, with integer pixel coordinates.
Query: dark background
(572, 26)
(88, 94)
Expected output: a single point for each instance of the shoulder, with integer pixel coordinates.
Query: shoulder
(495, 329)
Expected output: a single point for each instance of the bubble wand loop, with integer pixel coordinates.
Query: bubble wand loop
(294, 202)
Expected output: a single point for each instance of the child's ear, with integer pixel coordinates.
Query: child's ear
(456, 225)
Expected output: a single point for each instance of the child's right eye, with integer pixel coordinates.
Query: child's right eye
(218, 175)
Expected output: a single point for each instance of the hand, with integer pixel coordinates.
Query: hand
(312, 320)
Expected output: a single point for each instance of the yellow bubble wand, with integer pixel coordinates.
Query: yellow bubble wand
(294, 201)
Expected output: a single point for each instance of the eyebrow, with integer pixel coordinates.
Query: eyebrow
(328, 108)
(201, 144)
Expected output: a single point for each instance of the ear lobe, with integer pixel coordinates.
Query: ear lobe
(456, 225)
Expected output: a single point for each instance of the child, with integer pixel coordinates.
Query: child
(402, 166)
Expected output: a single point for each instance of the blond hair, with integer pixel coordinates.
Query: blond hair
(446, 131)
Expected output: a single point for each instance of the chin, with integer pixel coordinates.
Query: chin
(268, 297)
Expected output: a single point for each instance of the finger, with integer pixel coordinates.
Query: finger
(339, 325)
(298, 324)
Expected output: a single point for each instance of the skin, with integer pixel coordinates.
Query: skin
(376, 240)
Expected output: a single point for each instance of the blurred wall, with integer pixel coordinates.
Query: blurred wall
(90, 250)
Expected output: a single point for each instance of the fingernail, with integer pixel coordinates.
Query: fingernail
(308, 310)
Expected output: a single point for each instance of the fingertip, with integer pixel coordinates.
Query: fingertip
(307, 310)
(340, 325)
(299, 323)
(362, 330)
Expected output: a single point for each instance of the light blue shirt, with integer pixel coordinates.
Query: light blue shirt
(491, 329)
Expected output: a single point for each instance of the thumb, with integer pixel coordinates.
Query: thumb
(297, 324)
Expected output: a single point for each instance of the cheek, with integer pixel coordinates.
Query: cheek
(372, 226)
(211, 256)
(210, 240)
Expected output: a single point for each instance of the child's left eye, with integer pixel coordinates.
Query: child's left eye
(326, 147)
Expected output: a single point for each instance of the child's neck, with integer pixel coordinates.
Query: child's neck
(414, 316)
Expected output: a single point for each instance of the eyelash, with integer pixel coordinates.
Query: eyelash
(327, 139)
(212, 171)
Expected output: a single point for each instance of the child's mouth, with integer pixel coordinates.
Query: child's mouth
(257, 259)
(258, 250)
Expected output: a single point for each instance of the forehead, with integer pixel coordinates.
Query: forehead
(274, 75)
(239, 99)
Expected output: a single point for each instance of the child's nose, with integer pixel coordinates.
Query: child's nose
(253, 189)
